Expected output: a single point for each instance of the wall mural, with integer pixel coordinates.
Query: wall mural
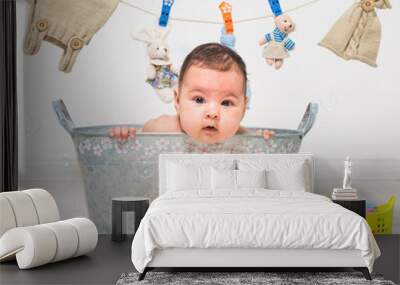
(356, 35)
(210, 93)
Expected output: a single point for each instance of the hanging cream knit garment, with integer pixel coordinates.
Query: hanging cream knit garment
(68, 24)
(357, 34)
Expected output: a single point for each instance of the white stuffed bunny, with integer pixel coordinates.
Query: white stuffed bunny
(161, 74)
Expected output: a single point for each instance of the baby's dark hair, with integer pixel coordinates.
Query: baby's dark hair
(214, 56)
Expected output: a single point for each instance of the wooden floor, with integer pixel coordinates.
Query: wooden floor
(111, 259)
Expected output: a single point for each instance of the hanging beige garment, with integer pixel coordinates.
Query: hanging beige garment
(69, 24)
(357, 33)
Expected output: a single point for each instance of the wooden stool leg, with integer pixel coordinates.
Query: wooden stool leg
(116, 234)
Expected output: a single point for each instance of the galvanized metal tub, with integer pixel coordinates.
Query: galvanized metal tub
(111, 169)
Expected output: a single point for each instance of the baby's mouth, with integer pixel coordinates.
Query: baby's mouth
(210, 128)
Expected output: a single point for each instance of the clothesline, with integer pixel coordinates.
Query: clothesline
(270, 15)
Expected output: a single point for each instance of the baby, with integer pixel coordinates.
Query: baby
(210, 99)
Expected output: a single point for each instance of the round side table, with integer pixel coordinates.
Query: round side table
(139, 205)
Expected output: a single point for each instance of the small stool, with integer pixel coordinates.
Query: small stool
(139, 205)
(357, 206)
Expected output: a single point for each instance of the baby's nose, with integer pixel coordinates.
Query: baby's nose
(212, 111)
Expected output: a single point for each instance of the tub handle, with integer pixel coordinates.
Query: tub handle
(308, 118)
(63, 116)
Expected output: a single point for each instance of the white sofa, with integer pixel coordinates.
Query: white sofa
(31, 231)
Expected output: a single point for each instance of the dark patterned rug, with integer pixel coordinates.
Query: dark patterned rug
(269, 278)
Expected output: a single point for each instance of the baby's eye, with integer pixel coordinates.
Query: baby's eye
(285, 21)
(290, 26)
(199, 100)
(227, 103)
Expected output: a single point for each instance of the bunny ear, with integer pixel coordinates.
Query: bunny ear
(159, 33)
(142, 35)
(151, 33)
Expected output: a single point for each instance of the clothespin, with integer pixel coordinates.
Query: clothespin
(166, 8)
(275, 7)
(226, 10)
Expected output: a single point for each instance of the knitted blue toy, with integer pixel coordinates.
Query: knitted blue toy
(277, 44)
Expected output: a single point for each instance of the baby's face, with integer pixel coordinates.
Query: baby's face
(210, 103)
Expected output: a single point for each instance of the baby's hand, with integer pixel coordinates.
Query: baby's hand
(267, 134)
(121, 134)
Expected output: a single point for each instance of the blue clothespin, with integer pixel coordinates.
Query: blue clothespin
(226, 39)
(166, 8)
(275, 7)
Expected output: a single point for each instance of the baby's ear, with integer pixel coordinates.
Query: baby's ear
(176, 99)
(246, 102)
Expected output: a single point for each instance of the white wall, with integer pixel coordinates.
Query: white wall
(359, 105)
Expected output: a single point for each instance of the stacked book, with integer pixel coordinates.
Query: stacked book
(344, 194)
